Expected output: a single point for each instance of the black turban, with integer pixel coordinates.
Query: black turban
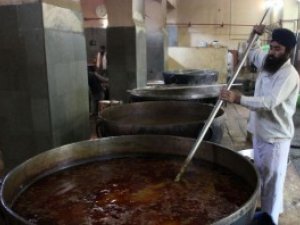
(284, 37)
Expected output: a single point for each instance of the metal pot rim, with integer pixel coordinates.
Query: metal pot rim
(240, 212)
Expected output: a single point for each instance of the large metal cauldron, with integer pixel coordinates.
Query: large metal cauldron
(198, 93)
(178, 118)
(125, 146)
(190, 76)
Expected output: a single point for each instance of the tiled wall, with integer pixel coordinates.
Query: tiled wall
(43, 100)
(24, 115)
(67, 74)
(67, 83)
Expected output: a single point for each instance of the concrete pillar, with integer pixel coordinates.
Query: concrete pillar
(43, 77)
(156, 38)
(126, 47)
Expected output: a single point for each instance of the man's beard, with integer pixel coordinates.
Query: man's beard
(272, 64)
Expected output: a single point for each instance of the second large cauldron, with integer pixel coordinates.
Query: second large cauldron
(178, 118)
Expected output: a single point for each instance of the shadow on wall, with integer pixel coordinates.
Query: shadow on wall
(208, 58)
(173, 63)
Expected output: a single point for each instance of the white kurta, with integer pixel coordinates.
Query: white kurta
(271, 123)
(274, 102)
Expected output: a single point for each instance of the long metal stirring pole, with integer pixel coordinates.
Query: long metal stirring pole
(218, 105)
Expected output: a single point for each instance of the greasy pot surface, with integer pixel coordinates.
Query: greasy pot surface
(122, 146)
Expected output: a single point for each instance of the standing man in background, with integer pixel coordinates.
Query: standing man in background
(101, 69)
(101, 61)
(271, 116)
(97, 84)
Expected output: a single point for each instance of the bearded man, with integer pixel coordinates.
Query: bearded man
(271, 115)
